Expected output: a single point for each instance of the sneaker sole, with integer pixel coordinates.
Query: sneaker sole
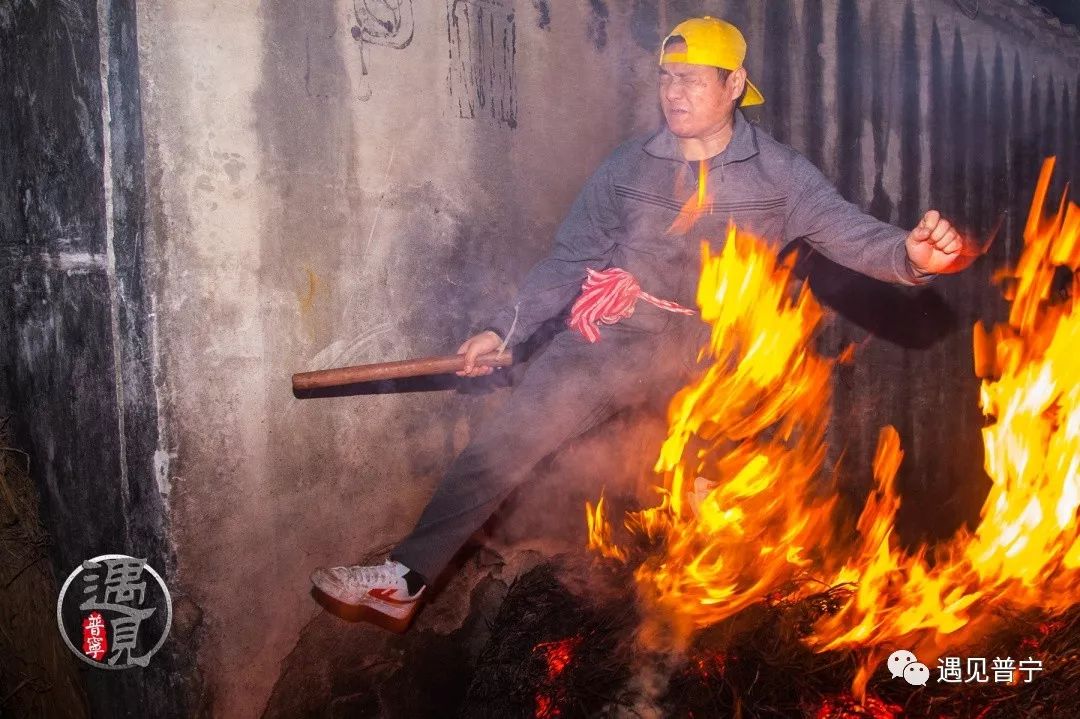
(394, 611)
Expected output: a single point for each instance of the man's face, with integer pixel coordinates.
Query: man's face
(695, 101)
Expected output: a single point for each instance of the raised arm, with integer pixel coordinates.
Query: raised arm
(843, 232)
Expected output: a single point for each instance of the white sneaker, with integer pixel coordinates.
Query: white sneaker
(382, 587)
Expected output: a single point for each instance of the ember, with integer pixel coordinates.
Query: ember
(846, 707)
(554, 653)
(1033, 644)
(557, 655)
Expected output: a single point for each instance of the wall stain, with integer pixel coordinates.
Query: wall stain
(1068, 141)
(596, 29)
(308, 295)
(849, 101)
(778, 52)
(1018, 188)
(999, 138)
(1034, 125)
(814, 80)
(979, 150)
(908, 209)
(881, 203)
(959, 131)
(645, 25)
(1075, 167)
(543, 13)
(1050, 118)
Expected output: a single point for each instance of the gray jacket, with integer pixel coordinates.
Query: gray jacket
(622, 216)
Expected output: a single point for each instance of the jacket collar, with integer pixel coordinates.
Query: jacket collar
(743, 144)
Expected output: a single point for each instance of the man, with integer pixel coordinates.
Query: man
(627, 220)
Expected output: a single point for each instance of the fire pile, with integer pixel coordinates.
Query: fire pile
(554, 650)
(745, 524)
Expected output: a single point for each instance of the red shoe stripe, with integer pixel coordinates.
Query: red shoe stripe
(385, 595)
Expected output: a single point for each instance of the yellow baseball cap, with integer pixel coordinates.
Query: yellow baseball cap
(713, 42)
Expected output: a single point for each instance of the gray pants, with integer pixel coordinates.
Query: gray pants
(567, 390)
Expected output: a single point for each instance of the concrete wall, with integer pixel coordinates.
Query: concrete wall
(77, 358)
(329, 183)
(324, 195)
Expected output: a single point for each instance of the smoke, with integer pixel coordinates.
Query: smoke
(649, 683)
(660, 651)
(615, 458)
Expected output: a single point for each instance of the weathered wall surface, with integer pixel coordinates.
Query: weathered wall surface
(77, 357)
(336, 183)
(342, 182)
(346, 181)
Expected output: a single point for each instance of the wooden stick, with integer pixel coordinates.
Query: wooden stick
(340, 376)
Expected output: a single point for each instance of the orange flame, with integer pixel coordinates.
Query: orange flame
(1024, 552)
(752, 425)
(739, 515)
(696, 205)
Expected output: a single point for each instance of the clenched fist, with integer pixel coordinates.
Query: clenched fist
(486, 341)
(935, 246)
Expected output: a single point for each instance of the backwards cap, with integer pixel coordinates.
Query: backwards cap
(713, 42)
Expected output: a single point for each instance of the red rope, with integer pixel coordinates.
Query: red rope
(609, 296)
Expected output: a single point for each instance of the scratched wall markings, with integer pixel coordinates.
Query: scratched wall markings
(482, 39)
(386, 23)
